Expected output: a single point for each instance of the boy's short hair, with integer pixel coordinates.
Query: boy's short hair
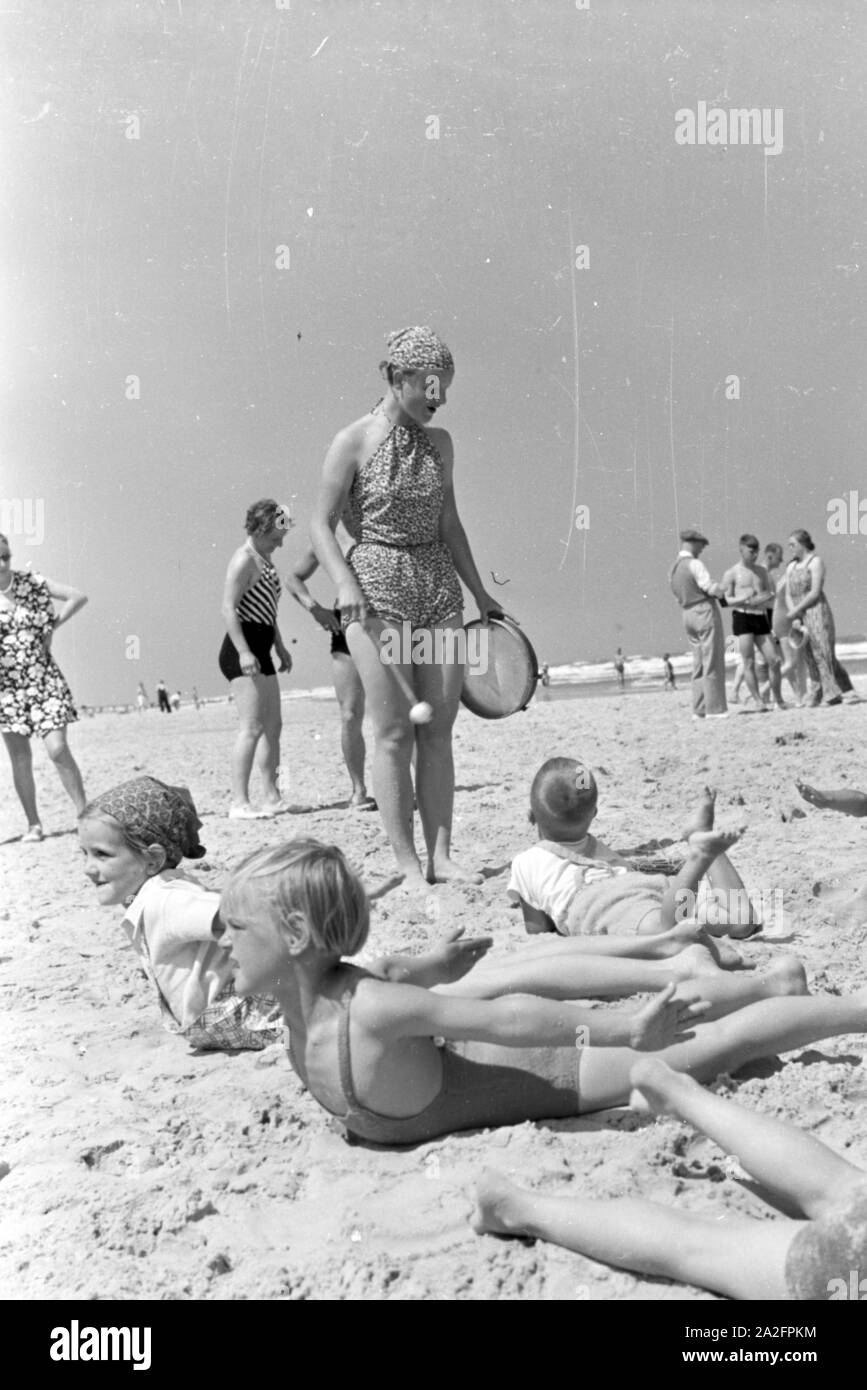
(563, 790)
(749, 539)
(314, 879)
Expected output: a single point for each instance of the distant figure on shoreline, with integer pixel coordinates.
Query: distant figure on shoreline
(196, 701)
(544, 679)
(163, 697)
(175, 700)
(620, 668)
(669, 682)
(698, 596)
(141, 698)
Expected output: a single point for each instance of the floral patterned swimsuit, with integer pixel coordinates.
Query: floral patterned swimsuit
(34, 697)
(405, 571)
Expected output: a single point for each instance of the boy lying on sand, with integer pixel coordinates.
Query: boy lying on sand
(573, 884)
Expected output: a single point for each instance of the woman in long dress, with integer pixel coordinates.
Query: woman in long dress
(34, 697)
(807, 604)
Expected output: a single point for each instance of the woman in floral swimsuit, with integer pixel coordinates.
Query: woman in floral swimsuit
(392, 474)
(34, 697)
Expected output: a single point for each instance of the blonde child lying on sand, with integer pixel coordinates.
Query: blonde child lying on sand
(133, 839)
(400, 1064)
(573, 884)
(737, 1256)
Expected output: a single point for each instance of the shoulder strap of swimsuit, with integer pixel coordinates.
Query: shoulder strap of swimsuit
(344, 1059)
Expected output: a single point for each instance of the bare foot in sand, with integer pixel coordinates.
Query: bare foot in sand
(449, 871)
(499, 1205)
(692, 961)
(702, 817)
(786, 975)
(656, 1087)
(712, 843)
(690, 933)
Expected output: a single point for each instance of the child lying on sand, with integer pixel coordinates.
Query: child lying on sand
(133, 838)
(367, 1048)
(737, 1256)
(574, 884)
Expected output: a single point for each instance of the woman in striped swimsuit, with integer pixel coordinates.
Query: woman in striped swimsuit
(250, 614)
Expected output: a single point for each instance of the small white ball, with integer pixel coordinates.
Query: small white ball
(422, 713)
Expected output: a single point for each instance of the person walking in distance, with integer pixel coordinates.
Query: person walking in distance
(699, 599)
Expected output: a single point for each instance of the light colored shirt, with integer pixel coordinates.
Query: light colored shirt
(697, 570)
(548, 883)
(169, 924)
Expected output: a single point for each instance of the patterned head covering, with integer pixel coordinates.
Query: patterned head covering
(155, 814)
(413, 349)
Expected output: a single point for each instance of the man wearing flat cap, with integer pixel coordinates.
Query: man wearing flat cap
(697, 595)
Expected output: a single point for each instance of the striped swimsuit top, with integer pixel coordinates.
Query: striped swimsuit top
(259, 603)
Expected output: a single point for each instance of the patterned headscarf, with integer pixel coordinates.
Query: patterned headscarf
(155, 814)
(413, 349)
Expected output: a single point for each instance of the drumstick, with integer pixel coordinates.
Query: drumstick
(420, 712)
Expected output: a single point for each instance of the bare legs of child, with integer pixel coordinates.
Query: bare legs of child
(566, 975)
(705, 1251)
(728, 911)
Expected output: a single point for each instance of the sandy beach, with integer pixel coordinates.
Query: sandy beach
(134, 1168)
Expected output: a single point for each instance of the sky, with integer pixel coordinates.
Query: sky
(217, 211)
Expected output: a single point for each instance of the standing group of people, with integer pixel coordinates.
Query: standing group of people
(779, 609)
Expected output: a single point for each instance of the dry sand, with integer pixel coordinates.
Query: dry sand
(134, 1168)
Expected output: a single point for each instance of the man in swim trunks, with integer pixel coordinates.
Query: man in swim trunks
(749, 593)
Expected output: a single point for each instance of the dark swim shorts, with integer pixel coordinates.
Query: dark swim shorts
(338, 639)
(759, 624)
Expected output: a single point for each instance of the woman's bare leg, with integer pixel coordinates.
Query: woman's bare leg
(249, 694)
(782, 1157)
(647, 1238)
(759, 1030)
(393, 740)
(350, 697)
(67, 768)
(268, 749)
(439, 682)
(21, 758)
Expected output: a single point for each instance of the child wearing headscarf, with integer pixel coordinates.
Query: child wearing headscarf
(134, 838)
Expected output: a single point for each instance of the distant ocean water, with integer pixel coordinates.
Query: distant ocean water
(644, 674)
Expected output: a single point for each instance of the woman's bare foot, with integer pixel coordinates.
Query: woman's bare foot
(656, 1086)
(448, 871)
(702, 817)
(498, 1205)
(360, 801)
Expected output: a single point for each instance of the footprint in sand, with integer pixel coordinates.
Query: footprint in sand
(847, 901)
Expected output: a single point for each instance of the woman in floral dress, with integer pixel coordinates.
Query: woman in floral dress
(807, 604)
(34, 697)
